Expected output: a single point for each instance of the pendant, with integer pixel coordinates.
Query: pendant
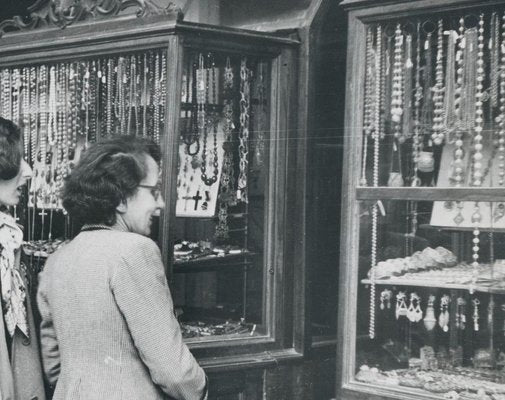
(426, 162)
(429, 318)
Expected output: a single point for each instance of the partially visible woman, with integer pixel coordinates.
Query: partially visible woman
(108, 326)
(20, 366)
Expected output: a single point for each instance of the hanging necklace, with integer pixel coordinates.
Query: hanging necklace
(438, 91)
(494, 51)
(157, 92)
(407, 112)
(16, 85)
(397, 91)
(477, 177)
(368, 103)
(6, 94)
(26, 113)
(33, 114)
(212, 120)
(418, 95)
(244, 131)
(501, 117)
(110, 71)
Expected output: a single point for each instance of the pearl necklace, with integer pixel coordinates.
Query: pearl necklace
(108, 108)
(157, 95)
(367, 118)
(43, 114)
(34, 95)
(397, 91)
(6, 94)
(438, 92)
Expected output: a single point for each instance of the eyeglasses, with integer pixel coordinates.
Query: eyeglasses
(155, 190)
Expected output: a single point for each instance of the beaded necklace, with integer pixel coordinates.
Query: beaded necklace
(110, 87)
(501, 117)
(438, 92)
(397, 91)
(368, 103)
(25, 112)
(418, 95)
(157, 95)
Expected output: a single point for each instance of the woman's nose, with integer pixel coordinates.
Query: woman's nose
(160, 203)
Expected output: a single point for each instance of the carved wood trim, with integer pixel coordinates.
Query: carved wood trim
(62, 13)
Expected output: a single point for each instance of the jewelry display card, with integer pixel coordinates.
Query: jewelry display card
(459, 214)
(194, 197)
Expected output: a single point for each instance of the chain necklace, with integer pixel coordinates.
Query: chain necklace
(244, 131)
(85, 100)
(212, 120)
(407, 112)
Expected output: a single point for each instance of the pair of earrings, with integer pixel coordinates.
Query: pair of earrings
(413, 311)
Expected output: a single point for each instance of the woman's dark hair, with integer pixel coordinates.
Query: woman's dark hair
(108, 173)
(10, 149)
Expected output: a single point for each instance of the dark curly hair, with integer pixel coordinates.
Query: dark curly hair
(11, 151)
(108, 173)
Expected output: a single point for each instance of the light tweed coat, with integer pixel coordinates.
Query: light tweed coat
(108, 328)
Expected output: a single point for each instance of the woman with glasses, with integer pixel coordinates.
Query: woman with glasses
(108, 326)
(20, 367)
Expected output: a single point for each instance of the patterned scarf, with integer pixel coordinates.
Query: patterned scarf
(13, 286)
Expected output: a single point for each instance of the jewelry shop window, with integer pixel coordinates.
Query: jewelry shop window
(430, 297)
(222, 187)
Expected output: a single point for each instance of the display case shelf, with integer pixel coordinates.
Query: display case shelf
(214, 262)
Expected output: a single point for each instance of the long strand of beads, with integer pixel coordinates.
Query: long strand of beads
(494, 63)
(34, 73)
(500, 119)
(157, 90)
(477, 139)
(131, 94)
(458, 91)
(450, 84)
(73, 114)
(407, 111)
(16, 84)
(51, 115)
(397, 91)
(438, 91)
(470, 77)
(426, 111)
(163, 89)
(377, 82)
(85, 102)
(26, 112)
(367, 117)
(373, 258)
(43, 112)
(418, 95)
(110, 87)
(6, 94)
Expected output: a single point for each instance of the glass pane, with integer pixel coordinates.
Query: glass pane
(433, 110)
(62, 107)
(222, 188)
(431, 297)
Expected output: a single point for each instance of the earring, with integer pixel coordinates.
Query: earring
(443, 318)
(461, 313)
(385, 299)
(401, 306)
(429, 318)
(476, 303)
(414, 313)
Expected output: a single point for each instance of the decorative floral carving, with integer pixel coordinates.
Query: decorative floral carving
(62, 13)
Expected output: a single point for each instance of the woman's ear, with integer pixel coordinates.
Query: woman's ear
(122, 207)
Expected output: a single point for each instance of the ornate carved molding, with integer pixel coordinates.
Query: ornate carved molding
(62, 13)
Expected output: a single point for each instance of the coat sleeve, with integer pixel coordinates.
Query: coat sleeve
(141, 292)
(48, 340)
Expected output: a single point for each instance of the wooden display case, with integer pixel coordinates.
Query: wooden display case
(243, 277)
(421, 290)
